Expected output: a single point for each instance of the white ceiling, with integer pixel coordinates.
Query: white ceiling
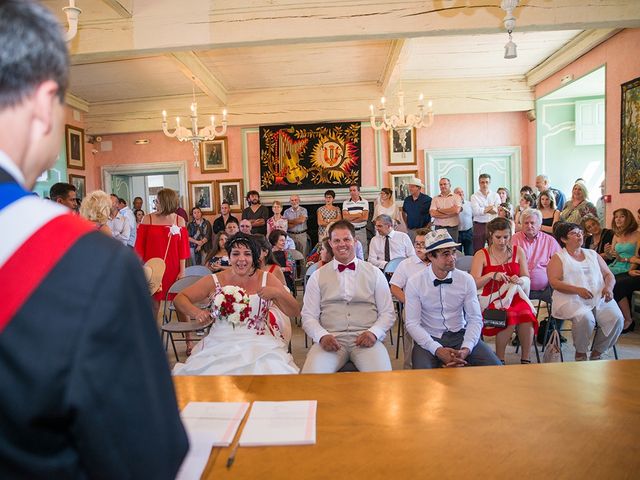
(255, 60)
(591, 85)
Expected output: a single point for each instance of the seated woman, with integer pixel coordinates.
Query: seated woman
(502, 273)
(598, 238)
(583, 293)
(277, 239)
(550, 214)
(267, 261)
(526, 201)
(505, 212)
(218, 258)
(256, 346)
(626, 239)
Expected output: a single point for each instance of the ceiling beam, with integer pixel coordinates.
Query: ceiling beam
(76, 102)
(573, 50)
(191, 66)
(124, 8)
(212, 24)
(398, 53)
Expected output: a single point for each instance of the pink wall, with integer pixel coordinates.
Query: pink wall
(622, 65)
(468, 131)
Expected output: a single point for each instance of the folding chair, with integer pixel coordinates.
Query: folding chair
(464, 263)
(389, 268)
(196, 271)
(309, 271)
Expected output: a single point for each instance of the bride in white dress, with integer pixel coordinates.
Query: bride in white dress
(258, 346)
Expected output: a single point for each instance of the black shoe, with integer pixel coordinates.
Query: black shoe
(562, 339)
(630, 328)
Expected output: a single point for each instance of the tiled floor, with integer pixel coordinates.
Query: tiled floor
(628, 348)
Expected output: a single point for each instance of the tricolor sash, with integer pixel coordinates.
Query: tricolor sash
(35, 236)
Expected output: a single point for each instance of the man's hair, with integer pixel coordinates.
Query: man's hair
(223, 202)
(33, 51)
(341, 224)
(543, 177)
(484, 175)
(122, 201)
(531, 212)
(384, 218)
(253, 192)
(137, 198)
(355, 185)
(60, 190)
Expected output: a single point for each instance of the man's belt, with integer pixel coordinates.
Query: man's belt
(295, 233)
(360, 228)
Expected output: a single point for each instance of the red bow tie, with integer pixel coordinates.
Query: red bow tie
(350, 266)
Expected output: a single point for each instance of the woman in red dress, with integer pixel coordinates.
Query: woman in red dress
(160, 232)
(500, 270)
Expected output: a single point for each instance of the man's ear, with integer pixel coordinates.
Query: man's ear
(43, 99)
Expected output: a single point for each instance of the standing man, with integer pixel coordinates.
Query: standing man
(388, 243)
(445, 209)
(415, 209)
(86, 388)
(127, 213)
(347, 310)
(542, 184)
(256, 213)
(407, 268)
(64, 194)
(484, 205)
(118, 223)
(465, 227)
(220, 223)
(297, 217)
(356, 211)
(137, 203)
(443, 312)
(600, 205)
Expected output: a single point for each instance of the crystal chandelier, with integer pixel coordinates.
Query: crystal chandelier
(401, 121)
(195, 135)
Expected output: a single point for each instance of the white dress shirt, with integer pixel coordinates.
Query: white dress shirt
(120, 228)
(11, 168)
(131, 218)
(479, 202)
(466, 217)
(400, 246)
(407, 268)
(347, 278)
(431, 311)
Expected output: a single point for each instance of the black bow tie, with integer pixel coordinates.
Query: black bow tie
(437, 282)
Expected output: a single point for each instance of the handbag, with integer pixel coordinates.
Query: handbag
(495, 317)
(552, 349)
(154, 270)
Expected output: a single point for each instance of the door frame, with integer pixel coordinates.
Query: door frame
(513, 152)
(107, 171)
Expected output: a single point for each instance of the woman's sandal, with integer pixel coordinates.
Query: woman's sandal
(525, 362)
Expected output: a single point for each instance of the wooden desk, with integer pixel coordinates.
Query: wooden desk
(571, 420)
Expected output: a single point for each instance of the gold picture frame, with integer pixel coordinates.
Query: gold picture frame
(214, 157)
(74, 142)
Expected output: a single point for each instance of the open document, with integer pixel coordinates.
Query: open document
(280, 423)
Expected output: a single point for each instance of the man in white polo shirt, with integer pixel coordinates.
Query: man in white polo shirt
(445, 209)
(356, 211)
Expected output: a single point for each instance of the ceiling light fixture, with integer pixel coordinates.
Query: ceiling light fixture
(195, 136)
(73, 13)
(510, 49)
(401, 120)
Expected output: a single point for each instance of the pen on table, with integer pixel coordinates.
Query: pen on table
(232, 455)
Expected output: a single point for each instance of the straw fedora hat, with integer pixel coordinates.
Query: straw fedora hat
(154, 271)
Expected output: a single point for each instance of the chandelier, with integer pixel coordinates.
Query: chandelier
(72, 12)
(195, 135)
(510, 49)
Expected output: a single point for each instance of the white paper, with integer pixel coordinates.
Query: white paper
(280, 423)
(219, 419)
(208, 425)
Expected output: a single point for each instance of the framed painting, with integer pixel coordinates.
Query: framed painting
(399, 184)
(402, 146)
(213, 156)
(630, 137)
(74, 141)
(79, 181)
(231, 190)
(201, 196)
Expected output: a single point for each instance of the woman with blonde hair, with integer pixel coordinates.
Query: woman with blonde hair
(163, 234)
(578, 206)
(96, 207)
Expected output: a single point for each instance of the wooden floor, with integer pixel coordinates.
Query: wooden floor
(628, 347)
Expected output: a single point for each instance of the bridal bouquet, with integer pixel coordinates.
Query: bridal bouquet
(231, 304)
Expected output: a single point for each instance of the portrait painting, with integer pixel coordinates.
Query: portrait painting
(213, 156)
(399, 183)
(201, 196)
(402, 143)
(74, 142)
(79, 181)
(630, 137)
(232, 191)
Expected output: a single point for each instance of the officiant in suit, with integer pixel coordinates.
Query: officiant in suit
(442, 311)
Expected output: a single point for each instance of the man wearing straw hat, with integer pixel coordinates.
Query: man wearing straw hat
(442, 311)
(415, 209)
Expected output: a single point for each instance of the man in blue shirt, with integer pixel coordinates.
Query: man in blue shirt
(415, 209)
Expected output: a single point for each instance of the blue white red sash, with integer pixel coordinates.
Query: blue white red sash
(35, 235)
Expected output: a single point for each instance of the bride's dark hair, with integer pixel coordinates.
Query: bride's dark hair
(243, 240)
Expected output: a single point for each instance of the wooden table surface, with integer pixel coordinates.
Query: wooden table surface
(570, 420)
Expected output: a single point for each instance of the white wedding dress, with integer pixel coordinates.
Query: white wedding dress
(257, 347)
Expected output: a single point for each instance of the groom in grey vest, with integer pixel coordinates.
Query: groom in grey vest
(347, 310)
